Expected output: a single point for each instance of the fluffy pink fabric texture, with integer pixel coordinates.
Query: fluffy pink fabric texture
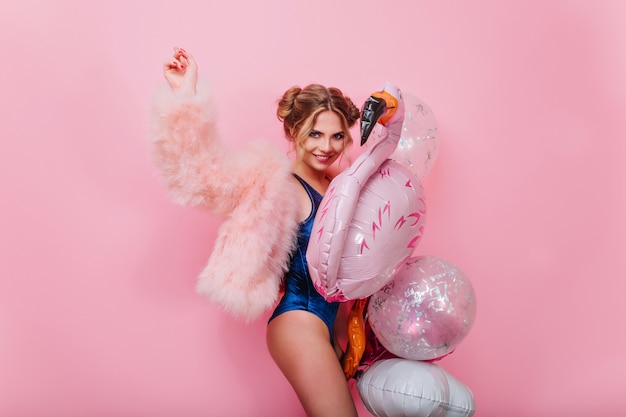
(250, 188)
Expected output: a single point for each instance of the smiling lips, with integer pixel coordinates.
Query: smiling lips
(323, 158)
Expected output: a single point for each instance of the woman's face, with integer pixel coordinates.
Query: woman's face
(324, 144)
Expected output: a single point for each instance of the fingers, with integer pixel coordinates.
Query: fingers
(179, 52)
(180, 60)
(187, 59)
(179, 57)
(173, 65)
(181, 71)
(183, 55)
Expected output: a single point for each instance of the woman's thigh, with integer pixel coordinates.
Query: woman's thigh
(299, 343)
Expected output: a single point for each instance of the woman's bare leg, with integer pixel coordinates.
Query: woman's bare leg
(300, 344)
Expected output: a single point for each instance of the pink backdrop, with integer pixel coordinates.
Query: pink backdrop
(98, 315)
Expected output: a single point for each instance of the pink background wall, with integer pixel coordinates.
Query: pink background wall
(98, 315)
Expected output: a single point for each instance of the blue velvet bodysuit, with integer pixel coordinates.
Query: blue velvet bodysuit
(300, 294)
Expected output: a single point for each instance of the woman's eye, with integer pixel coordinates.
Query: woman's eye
(338, 136)
(314, 134)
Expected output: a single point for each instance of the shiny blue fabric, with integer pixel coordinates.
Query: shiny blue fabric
(300, 294)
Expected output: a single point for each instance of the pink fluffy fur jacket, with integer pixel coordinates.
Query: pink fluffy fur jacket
(250, 188)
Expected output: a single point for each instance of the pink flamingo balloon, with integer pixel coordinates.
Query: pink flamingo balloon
(372, 216)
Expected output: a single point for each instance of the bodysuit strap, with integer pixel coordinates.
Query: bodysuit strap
(313, 193)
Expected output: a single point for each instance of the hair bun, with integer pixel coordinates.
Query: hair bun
(354, 113)
(286, 103)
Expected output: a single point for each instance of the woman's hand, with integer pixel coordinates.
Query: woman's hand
(181, 72)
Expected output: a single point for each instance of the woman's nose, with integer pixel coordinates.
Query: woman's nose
(325, 145)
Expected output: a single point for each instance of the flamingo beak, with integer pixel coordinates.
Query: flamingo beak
(372, 109)
(378, 108)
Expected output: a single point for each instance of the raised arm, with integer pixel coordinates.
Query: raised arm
(252, 187)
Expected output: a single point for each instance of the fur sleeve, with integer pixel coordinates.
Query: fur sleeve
(192, 160)
(251, 253)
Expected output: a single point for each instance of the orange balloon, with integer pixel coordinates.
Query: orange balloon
(356, 339)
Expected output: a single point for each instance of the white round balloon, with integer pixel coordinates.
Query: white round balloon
(407, 388)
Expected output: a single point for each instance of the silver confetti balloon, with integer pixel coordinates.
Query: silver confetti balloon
(419, 142)
(425, 311)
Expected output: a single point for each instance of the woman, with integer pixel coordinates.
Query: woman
(269, 204)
